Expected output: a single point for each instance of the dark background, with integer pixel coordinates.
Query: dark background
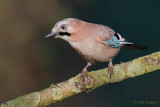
(29, 62)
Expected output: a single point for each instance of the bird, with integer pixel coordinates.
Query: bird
(94, 42)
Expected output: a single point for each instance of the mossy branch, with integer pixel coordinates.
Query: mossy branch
(75, 85)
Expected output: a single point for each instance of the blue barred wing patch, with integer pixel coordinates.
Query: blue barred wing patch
(113, 42)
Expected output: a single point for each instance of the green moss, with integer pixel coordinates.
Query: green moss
(118, 75)
(98, 78)
(135, 68)
(73, 82)
(56, 93)
(155, 57)
(32, 100)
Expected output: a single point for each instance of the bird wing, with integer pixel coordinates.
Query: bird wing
(113, 42)
(107, 36)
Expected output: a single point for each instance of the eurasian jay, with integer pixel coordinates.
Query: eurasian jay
(94, 42)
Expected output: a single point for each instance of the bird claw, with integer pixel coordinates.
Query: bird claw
(85, 78)
(110, 67)
(84, 73)
(110, 71)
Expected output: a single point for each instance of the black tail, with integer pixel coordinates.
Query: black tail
(127, 44)
(134, 46)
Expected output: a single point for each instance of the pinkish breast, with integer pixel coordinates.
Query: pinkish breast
(93, 51)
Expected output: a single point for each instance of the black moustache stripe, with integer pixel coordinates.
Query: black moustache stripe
(64, 33)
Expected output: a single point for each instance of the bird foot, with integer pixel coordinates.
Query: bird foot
(110, 68)
(84, 75)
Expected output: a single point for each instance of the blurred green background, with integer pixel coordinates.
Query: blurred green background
(29, 62)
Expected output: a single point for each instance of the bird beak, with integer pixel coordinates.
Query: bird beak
(51, 35)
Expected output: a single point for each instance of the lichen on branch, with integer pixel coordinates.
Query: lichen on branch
(75, 85)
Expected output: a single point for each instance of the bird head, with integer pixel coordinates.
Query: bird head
(64, 29)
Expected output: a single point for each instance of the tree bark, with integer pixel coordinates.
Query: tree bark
(76, 85)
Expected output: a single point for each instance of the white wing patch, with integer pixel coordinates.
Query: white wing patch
(122, 40)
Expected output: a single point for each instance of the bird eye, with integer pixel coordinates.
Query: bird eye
(63, 26)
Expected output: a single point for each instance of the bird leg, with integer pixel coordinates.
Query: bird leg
(110, 67)
(84, 74)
